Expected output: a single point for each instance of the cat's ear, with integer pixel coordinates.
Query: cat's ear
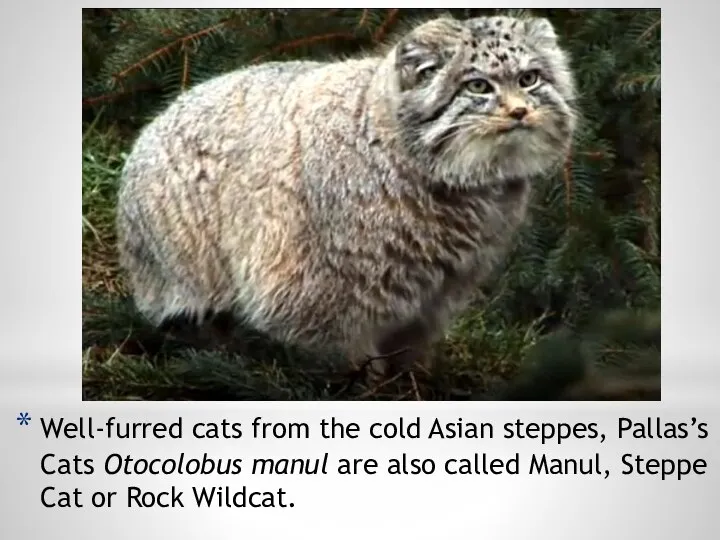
(420, 53)
(541, 31)
(416, 60)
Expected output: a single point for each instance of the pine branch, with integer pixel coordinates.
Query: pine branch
(178, 43)
(382, 32)
(296, 44)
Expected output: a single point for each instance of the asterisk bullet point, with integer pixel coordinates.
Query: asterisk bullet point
(24, 418)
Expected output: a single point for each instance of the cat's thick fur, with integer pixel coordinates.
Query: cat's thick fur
(354, 205)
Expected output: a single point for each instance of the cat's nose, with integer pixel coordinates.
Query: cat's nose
(518, 113)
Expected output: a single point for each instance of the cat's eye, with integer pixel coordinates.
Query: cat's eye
(479, 86)
(529, 78)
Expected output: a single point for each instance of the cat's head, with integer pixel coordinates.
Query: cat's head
(483, 100)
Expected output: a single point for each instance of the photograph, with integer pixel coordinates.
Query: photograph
(317, 204)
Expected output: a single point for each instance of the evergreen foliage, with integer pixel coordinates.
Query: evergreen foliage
(592, 246)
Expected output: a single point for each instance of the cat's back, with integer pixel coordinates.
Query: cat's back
(223, 107)
(249, 115)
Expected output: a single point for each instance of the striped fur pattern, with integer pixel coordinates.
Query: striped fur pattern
(351, 206)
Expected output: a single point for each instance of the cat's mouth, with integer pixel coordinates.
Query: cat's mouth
(509, 125)
(514, 126)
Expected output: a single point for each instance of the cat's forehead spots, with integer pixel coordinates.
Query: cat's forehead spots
(495, 27)
(497, 46)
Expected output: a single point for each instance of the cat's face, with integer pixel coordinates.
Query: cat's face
(485, 99)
